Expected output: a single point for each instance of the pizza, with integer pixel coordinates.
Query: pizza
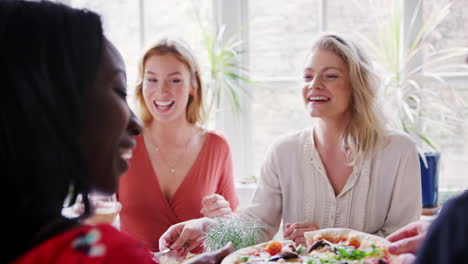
(164, 259)
(331, 245)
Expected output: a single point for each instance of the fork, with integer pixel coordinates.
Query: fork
(158, 255)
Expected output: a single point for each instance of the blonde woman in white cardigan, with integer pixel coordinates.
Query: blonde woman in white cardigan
(347, 170)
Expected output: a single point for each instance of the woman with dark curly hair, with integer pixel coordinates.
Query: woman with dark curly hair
(66, 130)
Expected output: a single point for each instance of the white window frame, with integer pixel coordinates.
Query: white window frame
(238, 128)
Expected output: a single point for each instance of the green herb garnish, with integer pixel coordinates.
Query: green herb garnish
(234, 230)
(300, 249)
(243, 258)
(345, 252)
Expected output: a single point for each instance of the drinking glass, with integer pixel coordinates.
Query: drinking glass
(106, 208)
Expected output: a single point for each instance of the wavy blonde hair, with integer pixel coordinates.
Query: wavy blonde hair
(182, 52)
(366, 128)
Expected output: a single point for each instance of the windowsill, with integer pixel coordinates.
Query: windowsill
(244, 192)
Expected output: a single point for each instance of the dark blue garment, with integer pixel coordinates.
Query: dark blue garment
(447, 238)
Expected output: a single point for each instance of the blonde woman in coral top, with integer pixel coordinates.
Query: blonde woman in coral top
(179, 170)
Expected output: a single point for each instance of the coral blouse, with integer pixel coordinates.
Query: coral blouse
(146, 214)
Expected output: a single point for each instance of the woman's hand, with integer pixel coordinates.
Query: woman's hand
(406, 258)
(408, 238)
(295, 232)
(185, 237)
(215, 206)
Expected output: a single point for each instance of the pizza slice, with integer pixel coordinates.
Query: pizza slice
(347, 246)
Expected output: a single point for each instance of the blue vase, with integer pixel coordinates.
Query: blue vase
(430, 179)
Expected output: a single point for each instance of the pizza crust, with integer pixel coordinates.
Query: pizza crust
(336, 235)
(234, 256)
(164, 259)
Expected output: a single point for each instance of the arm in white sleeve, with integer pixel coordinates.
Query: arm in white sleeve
(266, 205)
(406, 204)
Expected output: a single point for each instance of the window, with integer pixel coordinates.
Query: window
(177, 18)
(280, 34)
(121, 26)
(131, 33)
(278, 106)
(354, 16)
(453, 31)
(279, 37)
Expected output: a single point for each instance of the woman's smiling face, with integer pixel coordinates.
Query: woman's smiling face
(167, 85)
(327, 88)
(108, 125)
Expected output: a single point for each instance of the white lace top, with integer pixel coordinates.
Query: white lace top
(381, 195)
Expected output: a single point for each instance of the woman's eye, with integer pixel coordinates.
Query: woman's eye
(308, 77)
(152, 80)
(331, 76)
(175, 81)
(121, 92)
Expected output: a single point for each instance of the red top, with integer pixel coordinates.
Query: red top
(93, 244)
(146, 214)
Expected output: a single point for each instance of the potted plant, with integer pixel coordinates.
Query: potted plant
(418, 106)
(225, 72)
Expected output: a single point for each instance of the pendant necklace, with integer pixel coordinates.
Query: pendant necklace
(172, 168)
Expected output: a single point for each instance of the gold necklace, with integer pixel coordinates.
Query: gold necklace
(172, 168)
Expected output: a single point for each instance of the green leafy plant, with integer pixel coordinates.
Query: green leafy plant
(419, 104)
(225, 71)
(241, 234)
(248, 180)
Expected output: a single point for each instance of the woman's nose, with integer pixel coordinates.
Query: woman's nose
(314, 83)
(164, 88)
(135, 126)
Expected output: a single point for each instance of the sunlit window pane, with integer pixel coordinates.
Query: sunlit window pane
(178, 18)
(452, 32)
(121, 26)
(280, 35)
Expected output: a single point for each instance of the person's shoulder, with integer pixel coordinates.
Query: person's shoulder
(216, 137)
(217, 141)
(453, 214)
(456, 205)
(288, 142)
(292, 137)
(447, 237)
(398, 137)
(398, 140)
(106, 233)
(121, 246)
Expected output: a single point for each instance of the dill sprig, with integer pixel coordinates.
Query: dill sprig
(241, 234)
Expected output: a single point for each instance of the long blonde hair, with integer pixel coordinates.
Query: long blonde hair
(366, 127)
(182, 52)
